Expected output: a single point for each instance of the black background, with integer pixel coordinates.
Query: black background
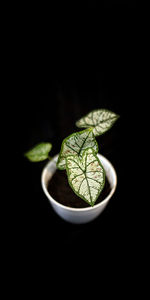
(48, 113)
(55, 85)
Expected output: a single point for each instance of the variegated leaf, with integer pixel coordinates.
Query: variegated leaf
(39, 152)
(75, 144)
(100, 120)
(86, 175)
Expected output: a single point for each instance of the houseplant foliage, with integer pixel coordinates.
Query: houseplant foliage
(86, 175)
(100, 120)
(78, 155)
(39, 153)
(75, 144)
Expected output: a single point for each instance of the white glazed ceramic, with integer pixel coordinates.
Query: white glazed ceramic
(79, 215)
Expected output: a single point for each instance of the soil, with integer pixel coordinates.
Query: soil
(61, 191)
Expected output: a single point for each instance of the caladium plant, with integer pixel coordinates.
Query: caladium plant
(75, 144)
(78, 155)
(39, 152)
(100, 120)
(86, 175)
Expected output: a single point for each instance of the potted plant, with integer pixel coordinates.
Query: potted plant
(79, 181)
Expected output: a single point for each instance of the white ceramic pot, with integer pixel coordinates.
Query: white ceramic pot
(78, 215)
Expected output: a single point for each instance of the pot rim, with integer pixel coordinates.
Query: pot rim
(73, 208)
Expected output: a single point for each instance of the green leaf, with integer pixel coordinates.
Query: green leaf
(39, 152)
(75, 144)
(100, 120)
(86, 175)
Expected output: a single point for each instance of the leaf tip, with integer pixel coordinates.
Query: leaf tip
(117, 116)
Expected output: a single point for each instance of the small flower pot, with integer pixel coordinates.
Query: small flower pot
(79, 215)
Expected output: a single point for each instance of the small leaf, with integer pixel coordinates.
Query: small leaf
(100, 120)
(39, 152)
(75, 144)
(86, 175)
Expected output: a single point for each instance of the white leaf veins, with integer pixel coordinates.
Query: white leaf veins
(86, 175)
(100, 120)
(75, 144)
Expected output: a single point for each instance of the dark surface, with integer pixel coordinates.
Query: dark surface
(60, 190)
(54, 73)
(48, 113)
(50, 92)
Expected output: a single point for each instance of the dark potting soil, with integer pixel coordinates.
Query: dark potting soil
(61, 191)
